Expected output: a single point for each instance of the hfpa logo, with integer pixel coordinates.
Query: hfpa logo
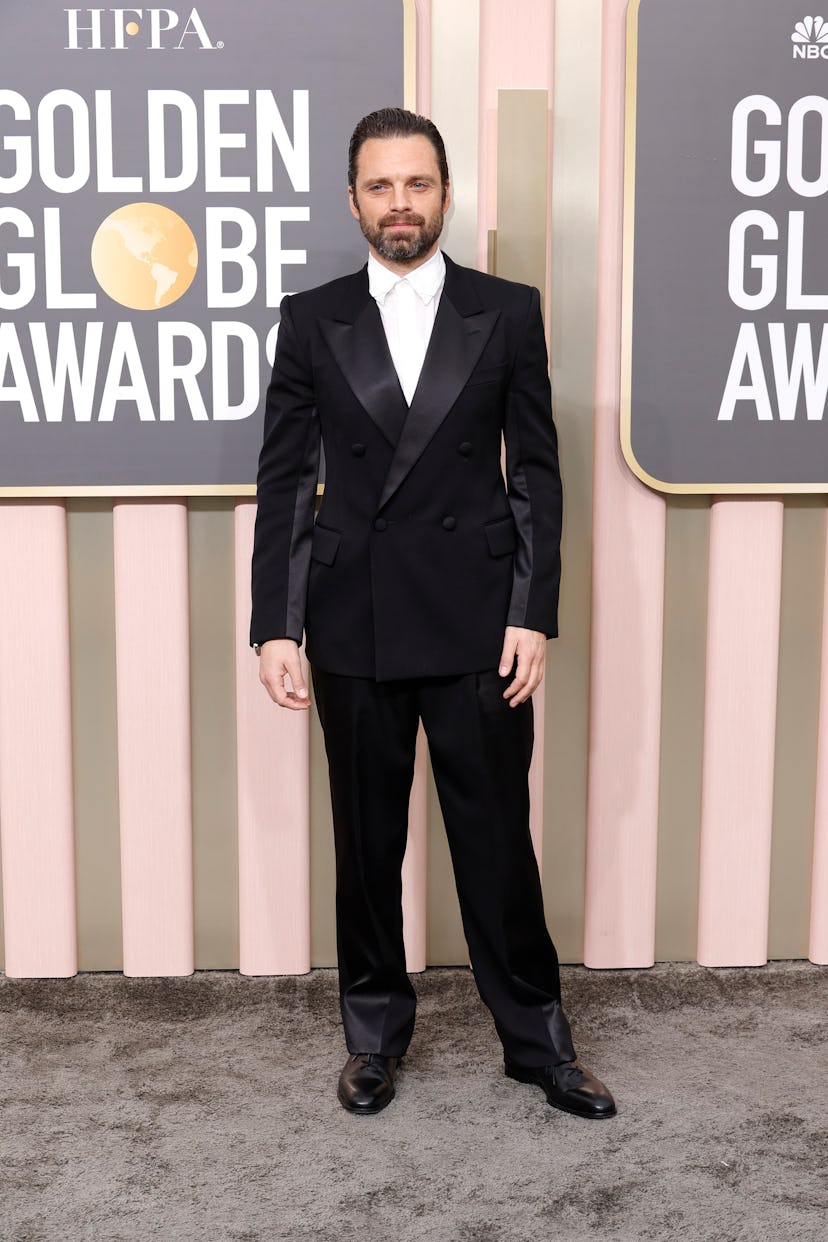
(161, 29)
(810, 39)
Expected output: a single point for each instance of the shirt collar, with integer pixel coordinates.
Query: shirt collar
(426, 280)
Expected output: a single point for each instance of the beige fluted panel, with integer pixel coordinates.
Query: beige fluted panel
(153, 685)
(522, 230)
(273, 802)
(818, 948)
(740, 731)
(36, 819)
(628, 599)
(455, 34)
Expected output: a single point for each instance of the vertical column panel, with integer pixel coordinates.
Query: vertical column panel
(153, 682)
(522, 228)
(415, 863)
(516, 53)
(682, 727)
(454, 109)
(739, 733)
(818, 945)
(273, 802)
(211, 553)
(627, 600)
(571, 321)
(95, 733)
(35, 743)
(797, 726)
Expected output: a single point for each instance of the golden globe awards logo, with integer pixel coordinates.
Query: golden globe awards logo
(156, 206)
(224, 149)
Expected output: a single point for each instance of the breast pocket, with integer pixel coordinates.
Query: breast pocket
(488, 375)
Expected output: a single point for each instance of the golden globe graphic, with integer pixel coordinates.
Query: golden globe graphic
(144, 256)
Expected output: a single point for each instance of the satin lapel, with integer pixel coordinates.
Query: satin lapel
(362, 354)
(454, 349)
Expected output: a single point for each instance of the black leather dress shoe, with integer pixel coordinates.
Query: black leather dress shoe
(366, 1084)
(569, 1087)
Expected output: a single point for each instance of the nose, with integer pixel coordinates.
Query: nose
(400, 197)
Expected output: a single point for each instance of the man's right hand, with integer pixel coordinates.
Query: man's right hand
(279, 659)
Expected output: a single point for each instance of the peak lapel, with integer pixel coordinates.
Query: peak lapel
(362, 355)
(456, 344)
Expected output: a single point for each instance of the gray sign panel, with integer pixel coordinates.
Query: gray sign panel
(726, 268)
(166, 175)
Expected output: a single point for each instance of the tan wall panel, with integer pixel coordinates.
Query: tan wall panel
(682, 728)
(212, 701)
(94, 736)
(797, 715)
(445, 942)
(322, 856)
(571, 323)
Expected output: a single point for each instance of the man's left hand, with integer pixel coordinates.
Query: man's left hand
(529, 646)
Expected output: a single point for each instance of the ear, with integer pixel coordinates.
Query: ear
(446, 197)
(352, 203)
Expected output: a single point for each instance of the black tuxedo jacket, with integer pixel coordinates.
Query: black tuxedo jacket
(422, 552)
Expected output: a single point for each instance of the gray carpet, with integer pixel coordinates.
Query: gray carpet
(205, 1108)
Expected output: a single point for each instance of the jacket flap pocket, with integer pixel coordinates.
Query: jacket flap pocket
(325, 544)
(501, 536)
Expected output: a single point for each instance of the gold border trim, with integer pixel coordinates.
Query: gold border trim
(628, 235)
(225, 489)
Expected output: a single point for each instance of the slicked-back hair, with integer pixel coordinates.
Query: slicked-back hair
(395, 123)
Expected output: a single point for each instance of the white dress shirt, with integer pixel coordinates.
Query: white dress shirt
(408, 306)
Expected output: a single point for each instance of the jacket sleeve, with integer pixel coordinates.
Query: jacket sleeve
(286, 491)
(533, 482)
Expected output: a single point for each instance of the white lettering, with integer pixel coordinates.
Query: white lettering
(78, 144)
(53, 265)
(747, 354)
(125, 352)
(160, 180)
(223, 334)
(186, 374)
(801, 372)
(766, 264)
(270, 130)
(67, 368)
(220, 256)
(768, 149)
(11, 358)
(25, 263)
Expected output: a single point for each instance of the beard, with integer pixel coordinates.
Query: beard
(408, 247)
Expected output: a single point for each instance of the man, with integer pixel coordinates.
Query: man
(426, 590)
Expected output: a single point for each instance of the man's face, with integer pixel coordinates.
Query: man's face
(399, 199)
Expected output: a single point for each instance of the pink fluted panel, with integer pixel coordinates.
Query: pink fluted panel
(414, 865)
(818, 949)
(36, 820)
(423, 8)
(273, 802)
(627, 604)
(745, 580)
(153, 685)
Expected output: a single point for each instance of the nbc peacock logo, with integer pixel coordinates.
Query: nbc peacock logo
(810, 39)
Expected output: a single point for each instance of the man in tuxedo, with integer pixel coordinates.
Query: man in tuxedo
(426, 590)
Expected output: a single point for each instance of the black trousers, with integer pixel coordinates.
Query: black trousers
(480, 753)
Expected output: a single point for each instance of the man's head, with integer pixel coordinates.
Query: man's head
(398, 184)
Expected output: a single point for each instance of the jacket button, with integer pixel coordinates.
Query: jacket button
(380, 524)
(449, 523)
(358, 450)
(464, 449)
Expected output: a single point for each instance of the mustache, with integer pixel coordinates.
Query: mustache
(401, 218)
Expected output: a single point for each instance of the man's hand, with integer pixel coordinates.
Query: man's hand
(530, 648)
(279, 659)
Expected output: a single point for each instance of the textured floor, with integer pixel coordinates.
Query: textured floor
(205, 1108)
